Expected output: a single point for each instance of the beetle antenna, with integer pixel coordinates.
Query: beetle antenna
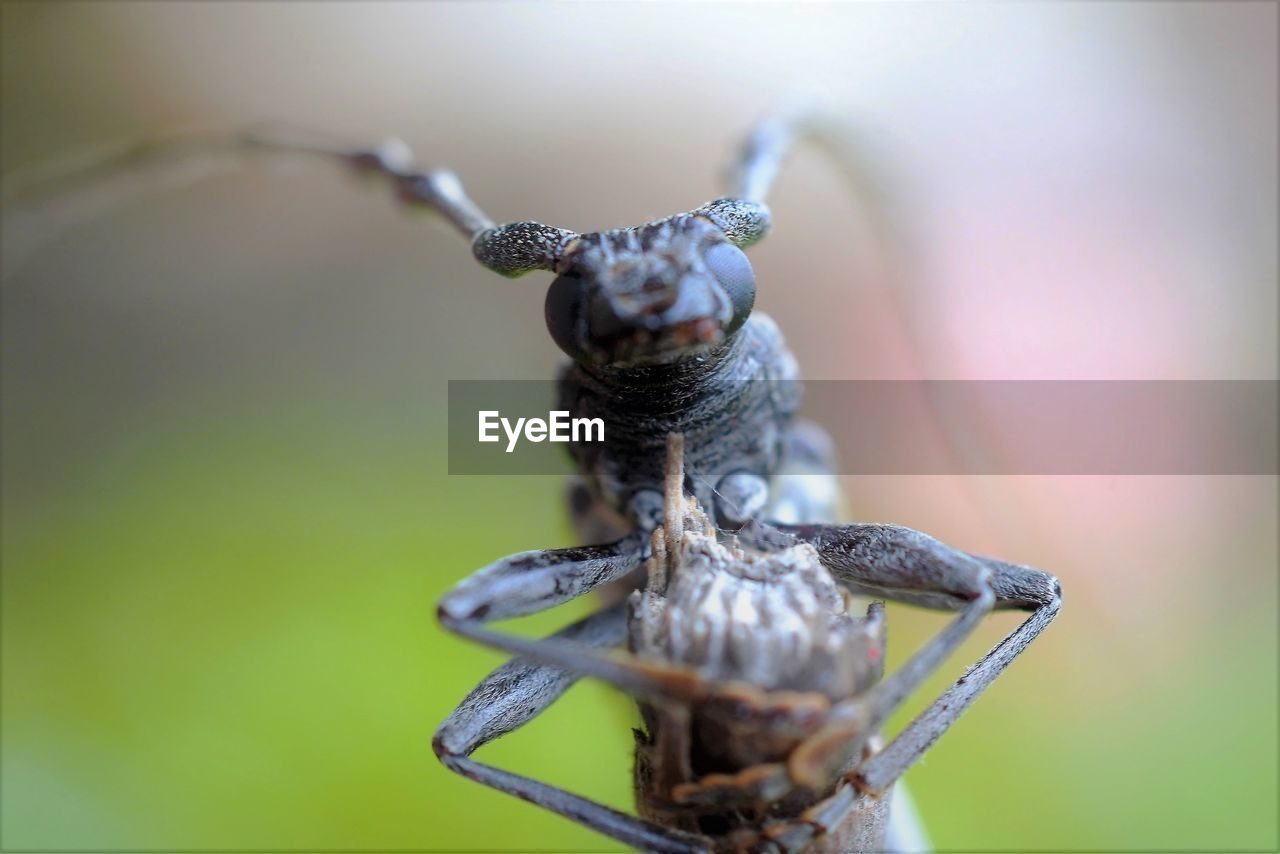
(44, 199)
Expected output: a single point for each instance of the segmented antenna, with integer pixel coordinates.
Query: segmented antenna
(437, 189)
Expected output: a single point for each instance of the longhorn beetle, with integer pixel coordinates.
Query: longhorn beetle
(658, 326)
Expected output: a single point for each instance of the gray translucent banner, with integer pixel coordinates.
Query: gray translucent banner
(1138, 427)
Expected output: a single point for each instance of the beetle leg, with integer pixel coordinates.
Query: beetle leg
(572, 653)
(818, 759)
(881, 770)
(648, 680)
(533, 581)
(520, 689)
(905, 565)
(513, 695)
(625, 828)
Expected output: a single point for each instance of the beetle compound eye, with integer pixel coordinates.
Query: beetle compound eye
(564, 313)
(733, 271)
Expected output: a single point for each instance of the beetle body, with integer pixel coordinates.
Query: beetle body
(780, 636)
(760, 690)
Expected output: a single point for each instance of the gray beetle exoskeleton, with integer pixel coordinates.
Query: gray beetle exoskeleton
(659, 326)
(657, 321)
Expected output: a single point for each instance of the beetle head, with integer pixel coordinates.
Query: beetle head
(656, 294)
(663, 292)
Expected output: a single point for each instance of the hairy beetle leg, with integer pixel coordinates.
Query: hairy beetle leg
(908, 566)
(880, 771)
(519, 691)
(532, 581)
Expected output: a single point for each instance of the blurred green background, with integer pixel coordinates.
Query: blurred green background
(226, 510)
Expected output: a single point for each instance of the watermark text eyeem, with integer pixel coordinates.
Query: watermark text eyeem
(909, 427)
(558, 427)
